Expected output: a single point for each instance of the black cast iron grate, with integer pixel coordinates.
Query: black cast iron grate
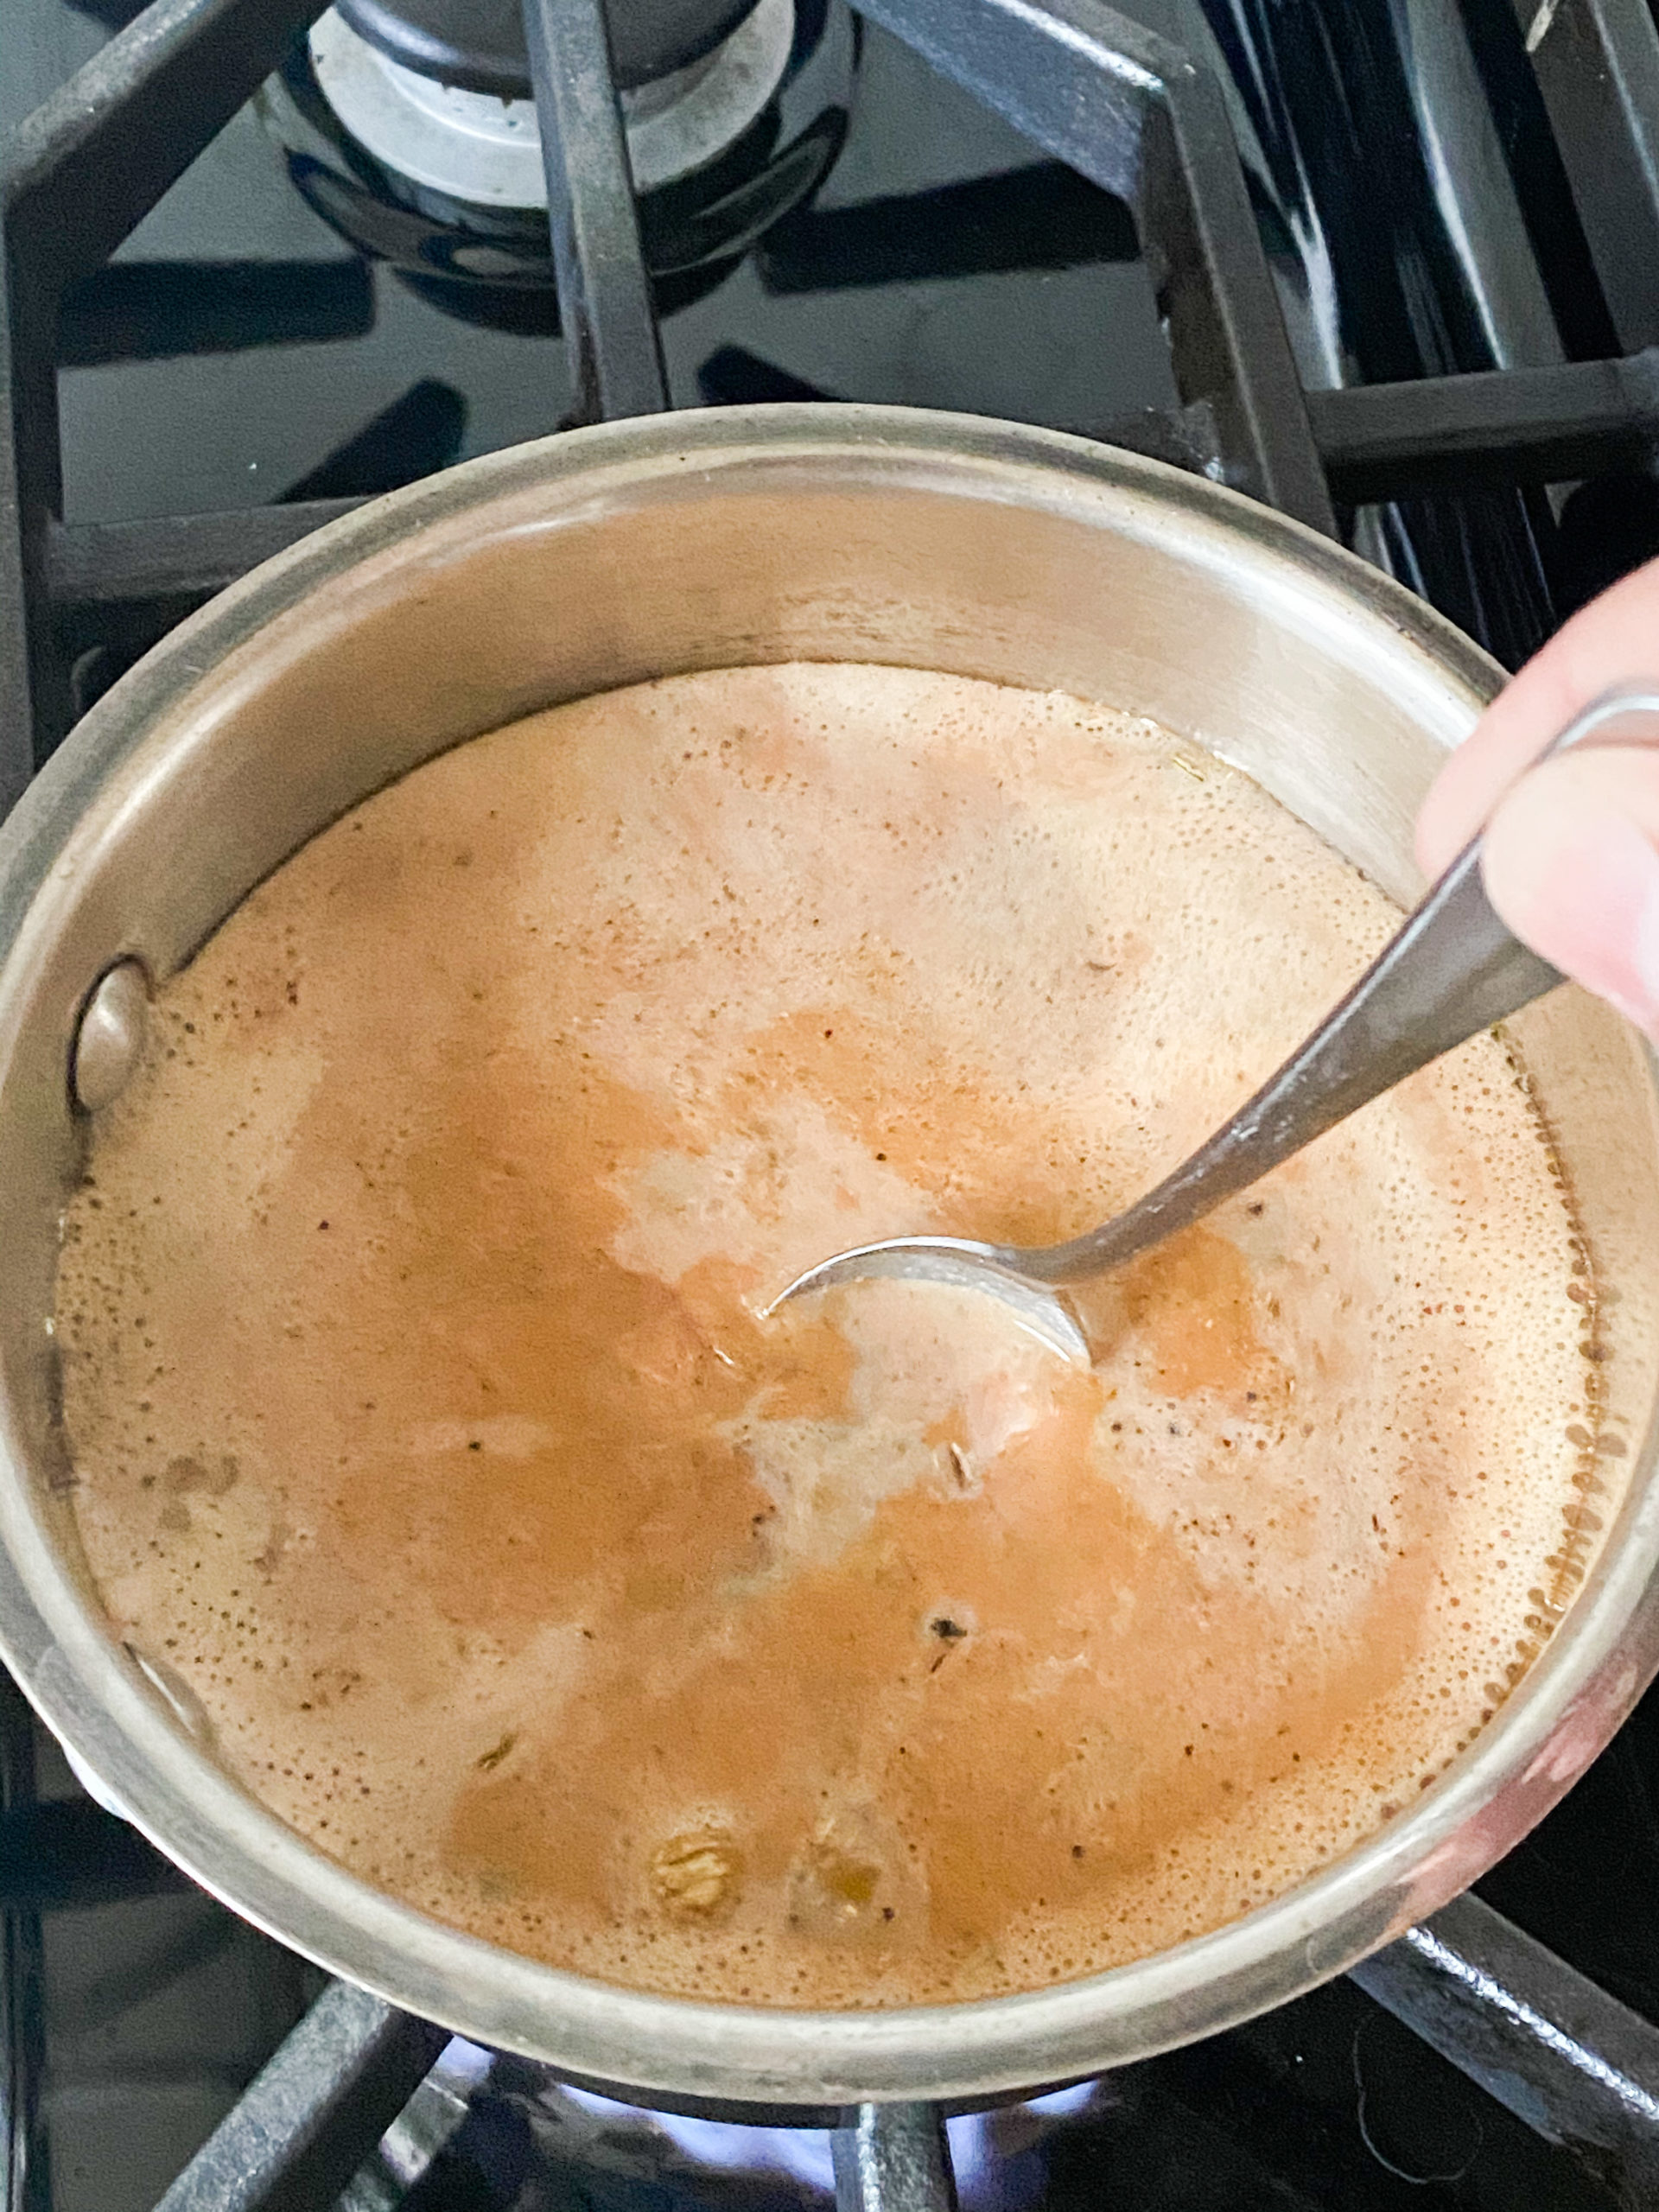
(1106, 100)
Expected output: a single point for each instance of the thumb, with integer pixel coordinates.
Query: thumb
(1571, 862)
(1607, 646)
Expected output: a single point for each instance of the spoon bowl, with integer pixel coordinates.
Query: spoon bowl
(957, 1264)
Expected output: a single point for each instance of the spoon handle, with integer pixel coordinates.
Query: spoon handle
(1452, 970)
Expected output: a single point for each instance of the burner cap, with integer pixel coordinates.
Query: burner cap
(479, 45)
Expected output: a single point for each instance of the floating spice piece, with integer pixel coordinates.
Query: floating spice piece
(694, 1877)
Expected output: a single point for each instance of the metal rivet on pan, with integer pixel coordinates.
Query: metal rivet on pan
(110, 1041)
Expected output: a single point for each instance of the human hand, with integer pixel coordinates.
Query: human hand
(1571, 853)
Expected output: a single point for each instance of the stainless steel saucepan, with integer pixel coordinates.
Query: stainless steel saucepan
(691, 541)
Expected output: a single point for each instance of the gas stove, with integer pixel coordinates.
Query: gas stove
(1391, 265)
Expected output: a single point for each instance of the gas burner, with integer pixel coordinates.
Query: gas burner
(484, 146)
(413, 133)
(480, 44)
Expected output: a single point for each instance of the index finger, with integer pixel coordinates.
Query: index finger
(1611, 643)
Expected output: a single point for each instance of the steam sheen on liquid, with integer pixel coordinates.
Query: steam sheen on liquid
(873, 1654)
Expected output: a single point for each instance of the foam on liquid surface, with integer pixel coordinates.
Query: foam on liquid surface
(873, 1654)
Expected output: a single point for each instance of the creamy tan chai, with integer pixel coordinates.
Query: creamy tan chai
(872, 1654)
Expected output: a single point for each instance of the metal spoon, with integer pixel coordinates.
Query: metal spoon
(1454, 968)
